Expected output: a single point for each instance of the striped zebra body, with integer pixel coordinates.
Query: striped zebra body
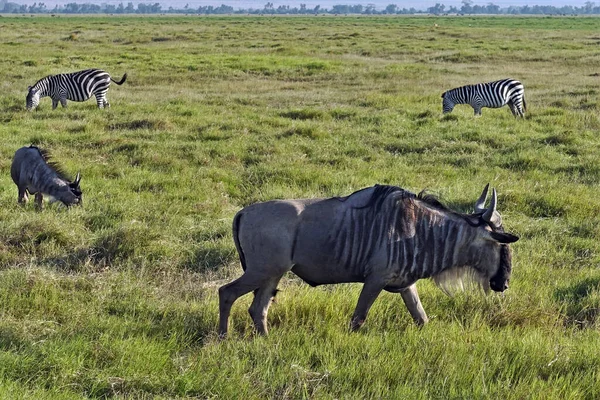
(492, 95)
(75, 86)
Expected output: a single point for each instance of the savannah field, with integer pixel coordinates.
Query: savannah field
(118, 298)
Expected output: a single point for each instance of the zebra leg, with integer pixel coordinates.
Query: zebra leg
(413, 303)
(54, 104)
(369, 293)
(63, 102)
(102, 101)
(516, 108)
(263, 297)
(519, 110)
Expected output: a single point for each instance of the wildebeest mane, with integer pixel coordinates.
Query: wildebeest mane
(56, 167)
(380, 193)
(432, 201)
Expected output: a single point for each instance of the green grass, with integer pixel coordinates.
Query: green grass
(118, 298)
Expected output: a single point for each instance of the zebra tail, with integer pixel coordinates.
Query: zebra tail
(524, 104)
(121, 81)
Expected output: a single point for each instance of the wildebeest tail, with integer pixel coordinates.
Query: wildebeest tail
(121, 81)
(236, 239)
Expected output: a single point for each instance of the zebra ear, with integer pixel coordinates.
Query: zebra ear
(77, 179)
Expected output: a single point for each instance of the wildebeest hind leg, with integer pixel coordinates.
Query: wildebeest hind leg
(229, 293)
(413, 303)
(369, 293)
(263, 297)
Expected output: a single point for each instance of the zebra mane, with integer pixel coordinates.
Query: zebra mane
(56, 167)
(34, 86)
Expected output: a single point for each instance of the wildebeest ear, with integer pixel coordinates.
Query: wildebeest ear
(504, 237)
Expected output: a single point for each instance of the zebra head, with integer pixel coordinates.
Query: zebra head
(33, 98)
(447, 103)
(491, 219)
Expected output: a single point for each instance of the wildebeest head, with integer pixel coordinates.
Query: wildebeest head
(33, 98)
(74, 194)
(492, 221)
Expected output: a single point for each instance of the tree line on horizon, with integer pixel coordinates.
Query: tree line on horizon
(468, 7)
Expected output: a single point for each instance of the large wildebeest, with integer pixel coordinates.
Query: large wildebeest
(33, 172)
(383, 236)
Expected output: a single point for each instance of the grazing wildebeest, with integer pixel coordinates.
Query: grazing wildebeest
(33, 172)
(383, 236)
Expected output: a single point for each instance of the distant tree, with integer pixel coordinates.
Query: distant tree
(437, 9)
(491, 8)
(340, 9)
(467, 6)
(391, 9)
(71, 8)
(120, 9)
(356, 9)
(129, 9)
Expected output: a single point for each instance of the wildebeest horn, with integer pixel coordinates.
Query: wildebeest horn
(480, 203)
(489, 213)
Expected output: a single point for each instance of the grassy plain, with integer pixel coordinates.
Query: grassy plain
(118, 298)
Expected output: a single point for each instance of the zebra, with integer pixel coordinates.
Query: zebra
(75, 86)
(33, 172)
(492, 95)
(383, 236)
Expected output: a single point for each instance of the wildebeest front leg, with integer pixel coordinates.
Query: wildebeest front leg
(263, 297)
(369, 293)
(413, 303)
(38, 200)
(23, 198)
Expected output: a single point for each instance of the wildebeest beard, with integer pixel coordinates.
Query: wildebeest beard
(499, 281)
